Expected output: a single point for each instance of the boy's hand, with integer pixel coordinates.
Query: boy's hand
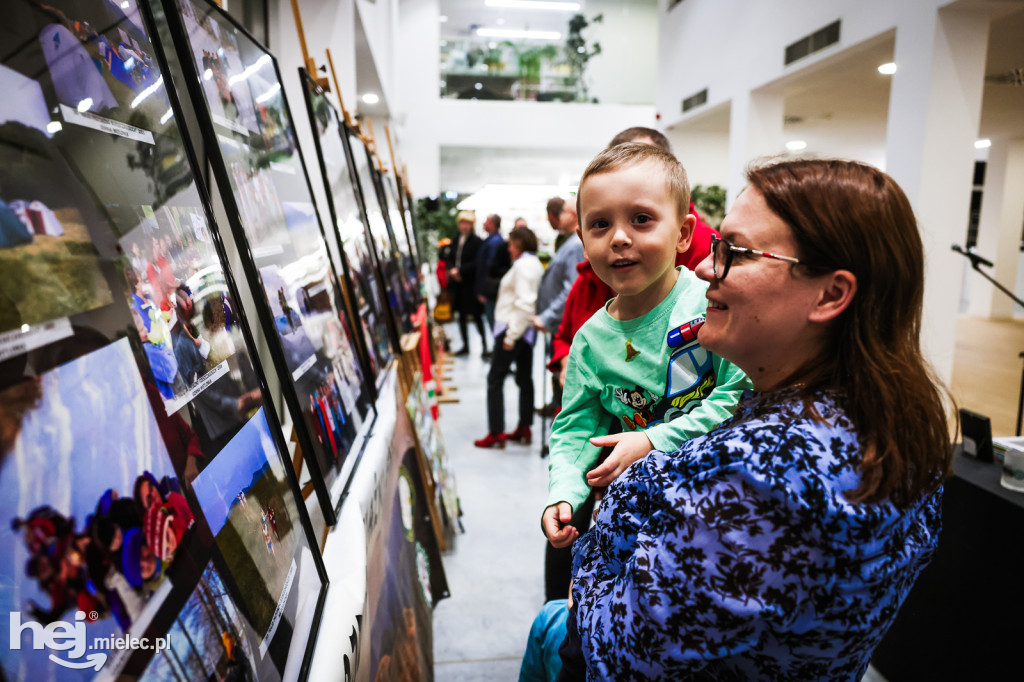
(555, 523)
(629, 447)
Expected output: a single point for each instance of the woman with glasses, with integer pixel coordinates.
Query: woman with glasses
(781, 544)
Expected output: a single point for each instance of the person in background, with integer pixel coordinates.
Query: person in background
(462, 280)
(513, 341)
(555, 206)
(519, 222)
(558, 279)
(782, 543)
(492, 262)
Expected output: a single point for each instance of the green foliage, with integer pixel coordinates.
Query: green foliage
(576, 51)
(710, 203)
(436, 217)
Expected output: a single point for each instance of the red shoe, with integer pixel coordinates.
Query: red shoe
(521, 435)
(491, 440)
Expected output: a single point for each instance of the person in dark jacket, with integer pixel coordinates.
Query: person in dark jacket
(492, 262)
(462, 281)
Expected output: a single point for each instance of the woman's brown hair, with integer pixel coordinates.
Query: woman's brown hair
(851, 216)
(525, 238)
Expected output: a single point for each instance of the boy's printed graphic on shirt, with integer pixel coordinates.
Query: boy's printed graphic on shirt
(638, 400)
(690, 379)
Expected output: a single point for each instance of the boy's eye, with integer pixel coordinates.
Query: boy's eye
(598, 224)
(642, 219)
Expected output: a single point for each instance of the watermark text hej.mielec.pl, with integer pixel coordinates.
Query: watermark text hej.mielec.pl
(70, 637)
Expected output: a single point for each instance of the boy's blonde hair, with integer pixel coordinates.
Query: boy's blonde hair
(632, 153)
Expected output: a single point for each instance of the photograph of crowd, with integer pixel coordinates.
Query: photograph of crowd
(92, 514)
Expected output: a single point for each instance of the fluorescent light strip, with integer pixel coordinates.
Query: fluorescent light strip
(147, 92)
(534, 4)
(514, 33)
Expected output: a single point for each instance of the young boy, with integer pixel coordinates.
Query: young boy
(636, 362)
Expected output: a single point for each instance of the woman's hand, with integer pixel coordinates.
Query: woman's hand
(628, 448)
(555, 523)
(507, 344)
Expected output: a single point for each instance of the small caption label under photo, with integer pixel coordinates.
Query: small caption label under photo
(88, 119)
(30, 337)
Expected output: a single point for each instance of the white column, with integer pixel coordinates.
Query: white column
(755, 130)
(419, 82)
(999, 227)
(934, 111)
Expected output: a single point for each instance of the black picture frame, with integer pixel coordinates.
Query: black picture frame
(349, 240)
(268, 198)
(152, 397)
(381, 235)
(401, 237)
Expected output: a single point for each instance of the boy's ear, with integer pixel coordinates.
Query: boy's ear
(686, 233)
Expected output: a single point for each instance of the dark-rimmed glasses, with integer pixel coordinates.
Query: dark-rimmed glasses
(721, 256)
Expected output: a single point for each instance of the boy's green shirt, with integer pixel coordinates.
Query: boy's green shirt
(625, 372)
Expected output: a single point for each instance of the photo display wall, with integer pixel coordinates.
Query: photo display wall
(142, 466)
(384, 243)
(349, 227)
(235, 87)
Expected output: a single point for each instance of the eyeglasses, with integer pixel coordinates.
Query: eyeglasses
(721, 256)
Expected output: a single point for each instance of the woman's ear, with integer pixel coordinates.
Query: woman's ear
(837, 291)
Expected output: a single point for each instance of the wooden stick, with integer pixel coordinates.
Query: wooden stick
(306, 59)
(337, 91)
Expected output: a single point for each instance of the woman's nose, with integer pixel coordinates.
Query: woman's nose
(704, 269)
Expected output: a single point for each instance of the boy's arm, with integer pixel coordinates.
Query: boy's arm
(712, 411)
(572, 453)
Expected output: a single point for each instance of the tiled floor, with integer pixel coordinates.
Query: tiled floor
(496, 570)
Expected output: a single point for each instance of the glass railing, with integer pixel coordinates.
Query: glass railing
(481, 69)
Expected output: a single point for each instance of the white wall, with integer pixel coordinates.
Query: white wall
(732, 46)
(705, 155)
(624, 72)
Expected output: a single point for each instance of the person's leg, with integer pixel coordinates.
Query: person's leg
(479, 317)
(500, 364)
(464, 333)
(524, 379)
(574, 665)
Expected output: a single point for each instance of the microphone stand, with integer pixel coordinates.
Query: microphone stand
(976, 263)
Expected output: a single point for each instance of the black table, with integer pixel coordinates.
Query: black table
(963, 618)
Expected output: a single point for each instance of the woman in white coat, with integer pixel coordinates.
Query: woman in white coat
(513, 340)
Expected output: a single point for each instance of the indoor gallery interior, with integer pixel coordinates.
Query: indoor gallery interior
(493, 107)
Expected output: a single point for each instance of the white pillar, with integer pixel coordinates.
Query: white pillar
(419, 81)
(755, 130)
(999, 227)
(934, 112)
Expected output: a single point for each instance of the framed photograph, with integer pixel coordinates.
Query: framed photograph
(125, 366)
(384, 243)
(235, 89)
(349, 238)
(402, 235)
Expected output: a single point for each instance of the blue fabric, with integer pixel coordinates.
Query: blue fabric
(738, 556)
(541, 662)
(484, 260)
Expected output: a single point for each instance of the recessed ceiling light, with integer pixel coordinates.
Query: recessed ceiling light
(796, 145)
(370, 98)
(983, 143)
(514, 33)
(534, 4)
(887, 69)
(492, 45)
